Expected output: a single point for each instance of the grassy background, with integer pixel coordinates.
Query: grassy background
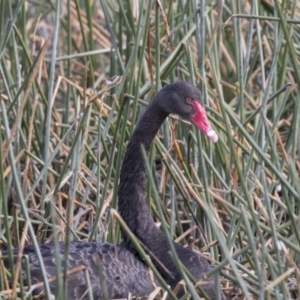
(75, 76)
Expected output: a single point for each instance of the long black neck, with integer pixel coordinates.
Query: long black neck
(133, 205)
(132, 199)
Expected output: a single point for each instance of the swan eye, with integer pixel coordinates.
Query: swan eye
(189, 100)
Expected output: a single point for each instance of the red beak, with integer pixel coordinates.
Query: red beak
(200, 120)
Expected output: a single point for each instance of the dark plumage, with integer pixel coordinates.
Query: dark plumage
(132, 199)
(123, 273)
(123, 270)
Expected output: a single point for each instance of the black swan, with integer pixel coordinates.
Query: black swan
(123, 271)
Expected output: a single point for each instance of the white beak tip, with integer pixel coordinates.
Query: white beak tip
(212, 135)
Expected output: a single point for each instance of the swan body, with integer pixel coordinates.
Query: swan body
(123, 271)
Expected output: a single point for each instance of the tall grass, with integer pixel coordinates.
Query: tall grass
(74, 78)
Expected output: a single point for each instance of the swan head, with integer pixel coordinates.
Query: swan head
(185, 100)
